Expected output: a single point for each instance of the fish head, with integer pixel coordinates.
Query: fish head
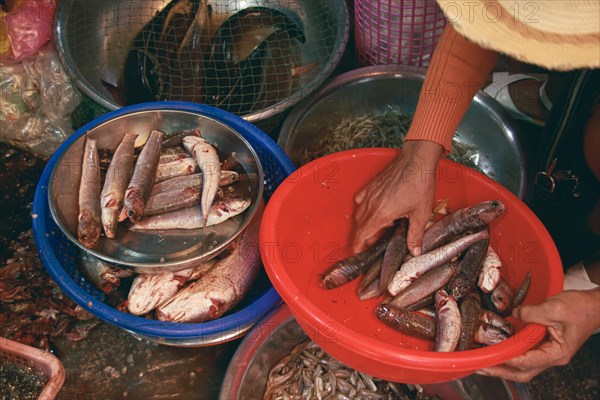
(490, 210)
(88, 230)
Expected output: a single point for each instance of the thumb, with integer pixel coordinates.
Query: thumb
(536, 314)
(414, 237)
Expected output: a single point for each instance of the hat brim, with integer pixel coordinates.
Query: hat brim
(501, 32)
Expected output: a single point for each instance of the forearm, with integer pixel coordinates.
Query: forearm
(457, 71)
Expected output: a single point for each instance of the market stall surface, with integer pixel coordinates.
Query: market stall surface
(106, 362)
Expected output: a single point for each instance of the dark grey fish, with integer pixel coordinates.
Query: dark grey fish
(407, 322)
(470, 308)
(394, 255)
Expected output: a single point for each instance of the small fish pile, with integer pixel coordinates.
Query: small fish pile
(168, 187)
(438, 295)
(310, 373)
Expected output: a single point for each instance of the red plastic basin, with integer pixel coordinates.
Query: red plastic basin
(308, 225)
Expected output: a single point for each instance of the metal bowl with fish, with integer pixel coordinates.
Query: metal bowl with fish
(373, 107)
(185, 239)
(308, 227)
(278, 358)
(252, 58)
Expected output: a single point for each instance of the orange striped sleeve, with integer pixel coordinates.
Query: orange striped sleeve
(457, 71)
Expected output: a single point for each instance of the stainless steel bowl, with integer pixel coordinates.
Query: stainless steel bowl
(164, 250)
(95, 36)
(375, 89)
(275, 337)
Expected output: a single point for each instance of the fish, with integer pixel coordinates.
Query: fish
(369, 291)
(194, 180)
(172, 169)
(223, 286)
(144, 173)
(89, 219)
(470, 309)
(424, 302)
(491, 318)
(470, 218)
(502, 297)
(208, 160)
(395, 253)
(428, 311)
(173, 141)
(172, 200)
(488, 334)
(522, 291)
(172, 154)
(149, 291)
(117, 178)
(447, 333)
(490, 271)
(469, 269)
(428, 283)
(351, 267)
(367, 288)
(407, 322)
(104, 276)
(192, 218)
(417, 266)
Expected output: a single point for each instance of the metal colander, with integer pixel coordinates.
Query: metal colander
(253, 58)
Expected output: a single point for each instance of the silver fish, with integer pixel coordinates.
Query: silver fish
(191, 217)
(171, 154)
(208, 160)
(141, 182)
(116, 180)
(460, 221)
(428, 283)
(172, 169)
(89, 226)
(172, 200)
(417, 266)
(447, 332)
(104, 276)
(222, 287)
(490, 271)
(194, 180)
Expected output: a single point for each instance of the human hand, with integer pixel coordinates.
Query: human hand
(405, 189)
(570, 316)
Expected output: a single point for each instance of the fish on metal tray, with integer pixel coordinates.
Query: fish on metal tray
(142, 179)
(193, 181)
(117, 178)
(223, 286)
(460, 221)
(173, 169)
(89, 224)
(172, 200)
(208, 160)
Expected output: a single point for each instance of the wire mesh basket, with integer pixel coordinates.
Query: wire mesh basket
(253, 58)
(397, 31)
(40, 361)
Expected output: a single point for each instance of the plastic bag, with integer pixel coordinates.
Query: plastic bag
(36, 102)
(25, 28)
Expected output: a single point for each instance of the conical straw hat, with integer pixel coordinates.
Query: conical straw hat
(555, 34)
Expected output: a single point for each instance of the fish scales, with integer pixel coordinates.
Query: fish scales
(142, 179)
(460, 221)
(427, 284)
(117, 178)
(417, 266)
(470, 309)
(468, 270)
(89, 219)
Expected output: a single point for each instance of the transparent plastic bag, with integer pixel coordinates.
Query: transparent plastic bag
(36, 102)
